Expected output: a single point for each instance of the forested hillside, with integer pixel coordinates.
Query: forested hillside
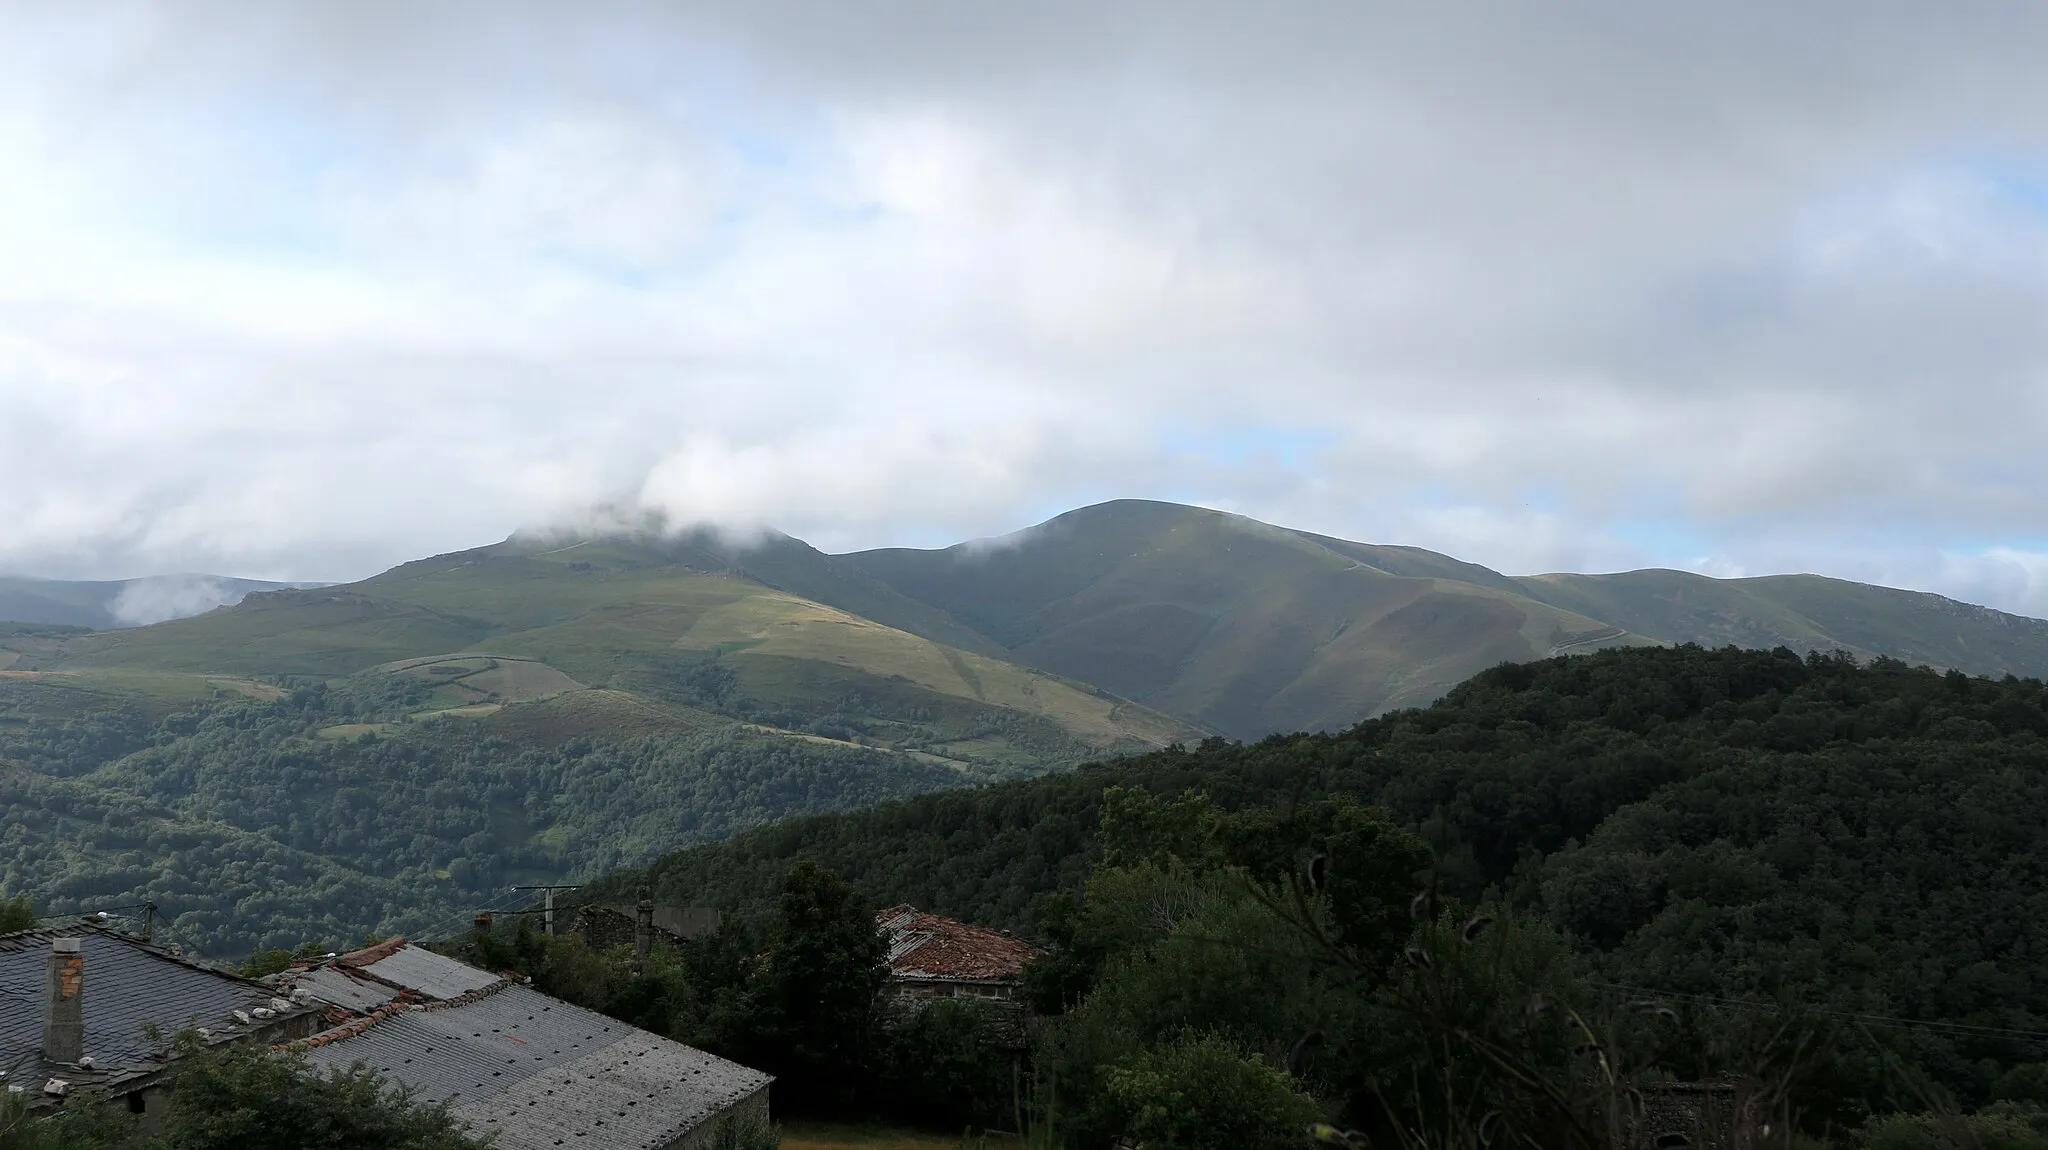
(1729, 824)
(316, 811)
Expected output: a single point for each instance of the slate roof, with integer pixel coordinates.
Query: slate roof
(925, 947)
(129, 985)
(540, 1072)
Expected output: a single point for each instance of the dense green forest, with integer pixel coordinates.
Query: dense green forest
(1269, 978)
(250, 824)
(1867, 841)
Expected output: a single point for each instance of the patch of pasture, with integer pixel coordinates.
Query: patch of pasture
(342, 731)
(470, 678)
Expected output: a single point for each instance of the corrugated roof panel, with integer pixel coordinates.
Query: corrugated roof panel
(434, 975)
(478, 1049)
(536, 1069)
(642, 1092)
(337, 987)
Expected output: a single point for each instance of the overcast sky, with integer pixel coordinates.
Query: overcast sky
(305, 290)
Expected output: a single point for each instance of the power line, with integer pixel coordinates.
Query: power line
(500, 904)
(1958, 1028)
(548, 908)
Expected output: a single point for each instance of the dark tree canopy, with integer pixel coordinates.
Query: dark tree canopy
(1725, 823)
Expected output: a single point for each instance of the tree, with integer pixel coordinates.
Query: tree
(952, 1065)
(817, 990)
(16, 914)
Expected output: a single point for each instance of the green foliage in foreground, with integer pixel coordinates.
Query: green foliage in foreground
(1747, 825)
(1205, 1094)
(1235, 986)
(239, 1097)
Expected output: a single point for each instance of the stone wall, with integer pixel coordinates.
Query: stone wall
(1713, 1115)
(751, 1109)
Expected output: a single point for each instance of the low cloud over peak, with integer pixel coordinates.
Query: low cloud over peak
(153, 600)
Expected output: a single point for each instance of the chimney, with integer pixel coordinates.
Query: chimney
(64, 1031)
(643, 929)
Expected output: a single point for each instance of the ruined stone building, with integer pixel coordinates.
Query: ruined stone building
(933, 957)
(607, 925)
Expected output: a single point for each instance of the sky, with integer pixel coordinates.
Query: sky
(303, 291)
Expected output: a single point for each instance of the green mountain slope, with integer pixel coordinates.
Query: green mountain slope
(1806, 613)
(688, 619)
(1248, 628)
(389, 753)
(1232, 623)
(1021, 649)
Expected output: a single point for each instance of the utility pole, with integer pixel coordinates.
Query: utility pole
(643, 930)
(547, 914)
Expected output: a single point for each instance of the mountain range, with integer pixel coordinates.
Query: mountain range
(1126, 624)
(314, 762)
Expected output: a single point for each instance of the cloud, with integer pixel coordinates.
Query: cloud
(157, 598)
(1998, 575)
(306, 291)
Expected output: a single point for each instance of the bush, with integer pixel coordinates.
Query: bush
(1204, 1094)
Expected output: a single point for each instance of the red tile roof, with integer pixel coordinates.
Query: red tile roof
(373, 953)
(925, 946)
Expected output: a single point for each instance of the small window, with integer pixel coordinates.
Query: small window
(136, 1105)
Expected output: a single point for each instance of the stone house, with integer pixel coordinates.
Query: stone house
(932, 957)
